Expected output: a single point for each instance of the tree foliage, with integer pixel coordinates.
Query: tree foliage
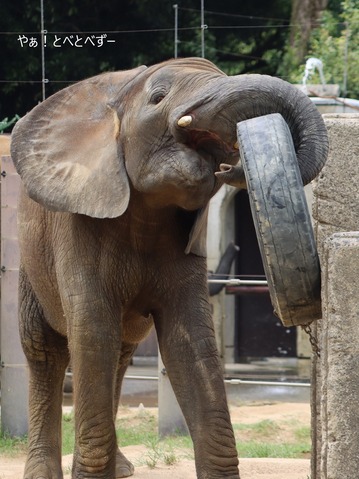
(336, 43)
(304, 18)
(247, 36)
(237, 39)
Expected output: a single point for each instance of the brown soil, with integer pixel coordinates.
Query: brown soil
(284, 415)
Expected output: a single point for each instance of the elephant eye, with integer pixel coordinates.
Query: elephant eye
(157, 97)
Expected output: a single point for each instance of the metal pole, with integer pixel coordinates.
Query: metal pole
(239, 282)
(234, 381)
(176, 30)
(202, 27)
(43, 44)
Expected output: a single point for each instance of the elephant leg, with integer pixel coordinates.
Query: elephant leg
(189, 352)
(47, 355)
(95, 351)
(124, 468)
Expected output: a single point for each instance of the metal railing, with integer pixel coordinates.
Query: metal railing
(233, 381)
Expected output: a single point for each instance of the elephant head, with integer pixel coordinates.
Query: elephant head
(167, 133)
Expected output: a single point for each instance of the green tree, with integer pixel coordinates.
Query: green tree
(336, 43)
(304, 18)
(246, 36)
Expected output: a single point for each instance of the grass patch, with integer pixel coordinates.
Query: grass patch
(270, 449)
(266, 427)
(302, 433)
(266, 438)
(12, 446)
(278, 439)
(142, 428)
(68, 433)
(159, 451)
(136, 429)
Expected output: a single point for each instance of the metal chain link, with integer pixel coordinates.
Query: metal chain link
(312, 339)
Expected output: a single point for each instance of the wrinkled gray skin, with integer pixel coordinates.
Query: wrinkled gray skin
(112, 229)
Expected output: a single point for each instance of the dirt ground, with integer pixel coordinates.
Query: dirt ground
(12, 467)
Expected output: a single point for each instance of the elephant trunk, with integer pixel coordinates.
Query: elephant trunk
(230, 100)
(267, 95)
(223, 269)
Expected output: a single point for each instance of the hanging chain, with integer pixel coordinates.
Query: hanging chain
(312, 339)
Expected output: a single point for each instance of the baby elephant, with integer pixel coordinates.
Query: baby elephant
(117, 172)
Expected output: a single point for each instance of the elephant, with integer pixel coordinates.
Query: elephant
(223, 268)
(117, 173)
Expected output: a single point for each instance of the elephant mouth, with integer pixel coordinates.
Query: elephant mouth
(210, 145)
(203, 139)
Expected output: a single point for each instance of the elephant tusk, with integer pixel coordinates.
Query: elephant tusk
(236, 146)
(185, 121)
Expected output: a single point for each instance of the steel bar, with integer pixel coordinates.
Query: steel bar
(239, 282)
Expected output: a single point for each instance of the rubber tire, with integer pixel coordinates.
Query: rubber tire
(281, 218)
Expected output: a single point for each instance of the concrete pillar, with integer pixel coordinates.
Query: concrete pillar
(340, 359)
(335, 382)
(14, 377)
(170, 418)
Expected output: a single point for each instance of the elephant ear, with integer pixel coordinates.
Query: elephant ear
(66, 149)
(197, 243)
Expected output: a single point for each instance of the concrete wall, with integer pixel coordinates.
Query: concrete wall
(14, 374)
(335, 405)
(4, 151)
(220, 233)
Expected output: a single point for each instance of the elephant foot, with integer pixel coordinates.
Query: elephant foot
(42, 469)
(124, 468)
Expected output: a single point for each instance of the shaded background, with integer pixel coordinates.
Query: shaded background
(245, 36)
